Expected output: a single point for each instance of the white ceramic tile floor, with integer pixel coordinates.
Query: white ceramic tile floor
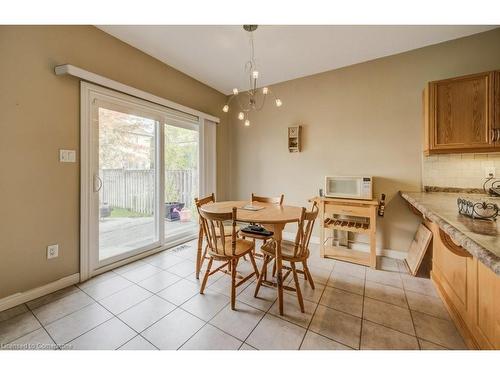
(155, 304)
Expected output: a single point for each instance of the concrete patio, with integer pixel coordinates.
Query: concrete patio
(119, 235)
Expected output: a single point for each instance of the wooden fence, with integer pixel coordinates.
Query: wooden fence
(135, 189)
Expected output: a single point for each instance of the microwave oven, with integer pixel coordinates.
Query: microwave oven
(352, 187)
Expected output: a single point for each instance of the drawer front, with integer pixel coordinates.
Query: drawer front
(340, 209)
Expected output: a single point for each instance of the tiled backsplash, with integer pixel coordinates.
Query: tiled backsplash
(458, 170)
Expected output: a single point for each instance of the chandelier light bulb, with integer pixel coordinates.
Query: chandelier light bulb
(253, 98)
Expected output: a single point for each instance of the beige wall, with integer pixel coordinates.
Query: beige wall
(360, 120)
(39, 114)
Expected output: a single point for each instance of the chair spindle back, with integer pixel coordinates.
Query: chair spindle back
(304, 230)
(213, 222)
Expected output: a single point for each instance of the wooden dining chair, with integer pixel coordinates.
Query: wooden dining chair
(273, 200)
(202, 255)
(255, 236)
(226, 248)
(292, 252)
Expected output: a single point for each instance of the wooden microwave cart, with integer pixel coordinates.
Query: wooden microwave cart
(339, 215)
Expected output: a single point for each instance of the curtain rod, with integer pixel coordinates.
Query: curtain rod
(68, 69)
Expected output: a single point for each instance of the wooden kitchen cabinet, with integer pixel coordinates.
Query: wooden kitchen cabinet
(469, 290)
(462, 114)
(488, 306)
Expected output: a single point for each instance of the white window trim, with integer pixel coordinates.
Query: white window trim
(68, 69)
(207, 162)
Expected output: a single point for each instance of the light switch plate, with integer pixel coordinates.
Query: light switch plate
(52, 251)
(67, 156)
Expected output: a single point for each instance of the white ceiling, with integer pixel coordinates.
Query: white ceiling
(216, 55)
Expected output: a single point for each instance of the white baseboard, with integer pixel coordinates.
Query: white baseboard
(22, 297)
(390, 253)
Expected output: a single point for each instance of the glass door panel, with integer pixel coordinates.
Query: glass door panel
(127, 181)
(181, 180)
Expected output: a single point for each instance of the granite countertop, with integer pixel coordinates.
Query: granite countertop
(479, 237)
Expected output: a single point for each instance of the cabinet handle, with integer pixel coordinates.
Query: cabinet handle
(495, 135)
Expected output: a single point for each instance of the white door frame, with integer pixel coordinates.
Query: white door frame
(87, 164)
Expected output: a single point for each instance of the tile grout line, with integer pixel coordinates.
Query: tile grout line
(116, 316)
(187, 278)
(363, 307)
(130, 307)
(83, 307)
(105, 321)
(57, 299)
(177, 307)
(411, 315)
(208, 322)
(198, 330)
(267, 311)
(262, 317)
(316, 308)
(66, 315)
(180, 307)
(142, 337)
(418, 338)
(253, 329)
(42, 326)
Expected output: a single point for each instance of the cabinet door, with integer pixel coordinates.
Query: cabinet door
(488, 312)
(460, 113)
(454, 268)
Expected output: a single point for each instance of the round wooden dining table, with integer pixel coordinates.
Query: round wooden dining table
(272, 216)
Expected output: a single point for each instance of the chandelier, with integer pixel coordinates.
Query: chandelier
(253, 99)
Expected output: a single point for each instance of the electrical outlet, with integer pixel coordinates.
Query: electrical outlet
(489, 172)
(52, 251)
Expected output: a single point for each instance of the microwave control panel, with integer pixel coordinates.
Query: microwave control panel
(366, 187)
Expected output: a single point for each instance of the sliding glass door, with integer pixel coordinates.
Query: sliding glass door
(139, 179)
(127, 180)
(181, 180)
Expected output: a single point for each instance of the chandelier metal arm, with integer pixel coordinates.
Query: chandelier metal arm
(263, 102)
(252, 100)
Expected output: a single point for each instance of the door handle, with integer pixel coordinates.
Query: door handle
(99, 181)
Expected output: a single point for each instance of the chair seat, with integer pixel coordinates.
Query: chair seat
(242, 247)
(287, 250)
